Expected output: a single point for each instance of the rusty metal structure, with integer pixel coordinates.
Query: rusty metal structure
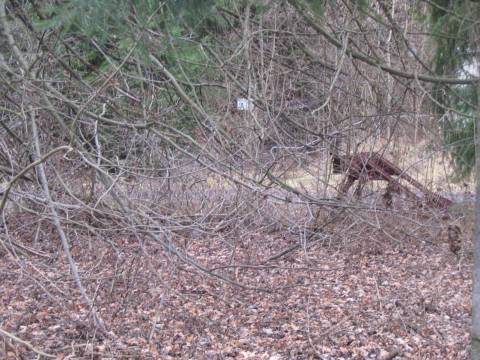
(366, 166)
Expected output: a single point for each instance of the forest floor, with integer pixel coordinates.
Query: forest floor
(369, 299)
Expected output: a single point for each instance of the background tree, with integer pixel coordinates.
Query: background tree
(457, 45)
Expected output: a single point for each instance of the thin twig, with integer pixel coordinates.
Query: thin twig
(25, 343)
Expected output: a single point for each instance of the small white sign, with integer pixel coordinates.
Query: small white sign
(244, 104)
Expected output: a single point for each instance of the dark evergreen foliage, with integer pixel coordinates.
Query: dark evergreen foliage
(452, 22)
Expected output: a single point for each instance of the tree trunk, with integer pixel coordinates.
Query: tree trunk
(476, 269)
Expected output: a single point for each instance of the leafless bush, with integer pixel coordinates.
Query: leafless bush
(125, 168)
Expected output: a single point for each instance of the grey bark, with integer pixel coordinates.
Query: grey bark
(476, 269)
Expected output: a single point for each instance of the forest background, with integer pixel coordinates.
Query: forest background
(167, 187)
